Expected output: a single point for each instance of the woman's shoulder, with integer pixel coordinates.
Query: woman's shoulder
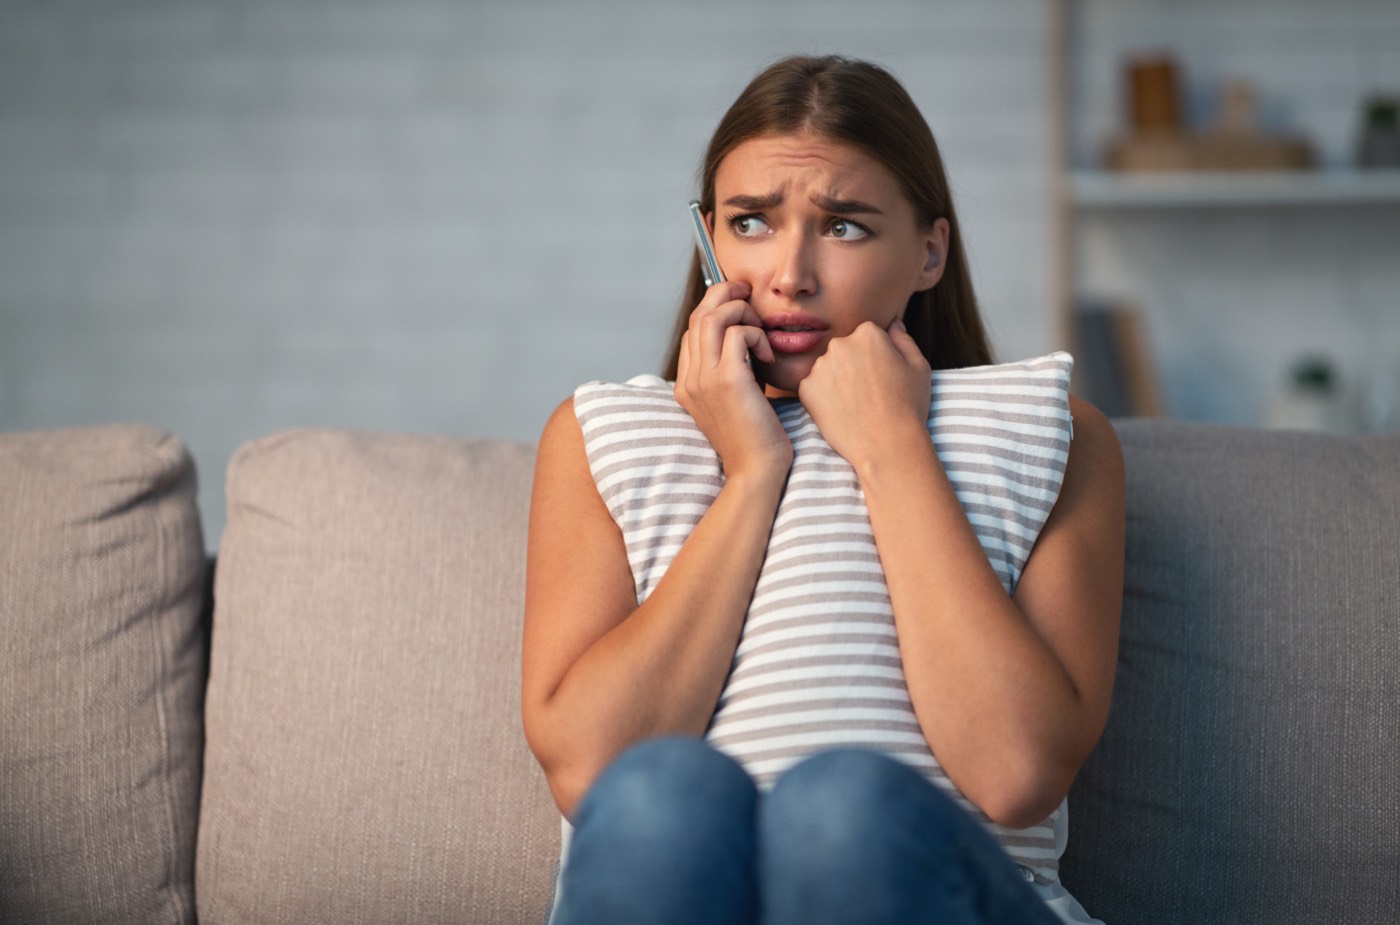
(1092, 424)
(562, 437)
(1095, 451)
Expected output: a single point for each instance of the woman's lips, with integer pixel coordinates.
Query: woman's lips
(794, 341)
(793, 332)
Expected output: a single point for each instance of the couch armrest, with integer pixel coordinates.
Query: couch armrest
(102, 666)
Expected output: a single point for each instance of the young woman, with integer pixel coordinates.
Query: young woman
(822, 628)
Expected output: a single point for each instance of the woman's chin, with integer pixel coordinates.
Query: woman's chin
(782, 377)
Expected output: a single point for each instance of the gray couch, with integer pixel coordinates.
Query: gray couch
(332, 734)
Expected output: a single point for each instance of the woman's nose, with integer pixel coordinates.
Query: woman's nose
(796, 274)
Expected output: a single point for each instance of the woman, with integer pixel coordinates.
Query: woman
(787, 658)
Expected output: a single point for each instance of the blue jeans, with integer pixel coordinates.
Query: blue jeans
(675, 832)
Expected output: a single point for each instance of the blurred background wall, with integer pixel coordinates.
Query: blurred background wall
(232, 217)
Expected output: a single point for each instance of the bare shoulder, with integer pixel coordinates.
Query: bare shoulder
(562, 433)
(577, 580)
(561, 461)
(565, 496)
(1086, 521)
(1095, 455)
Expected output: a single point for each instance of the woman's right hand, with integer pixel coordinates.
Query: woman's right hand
(716, 385)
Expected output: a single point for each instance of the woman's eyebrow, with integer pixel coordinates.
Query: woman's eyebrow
(751, 203)
(755, 203)
(844, 206)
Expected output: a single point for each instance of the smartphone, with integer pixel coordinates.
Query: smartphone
(709, 266)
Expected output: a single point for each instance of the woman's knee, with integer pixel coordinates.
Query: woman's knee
(671, 790)
(846, 786)
(850, 836)
(852, 806)
(665, 834)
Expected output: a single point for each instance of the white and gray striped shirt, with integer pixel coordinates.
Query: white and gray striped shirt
(818, 662)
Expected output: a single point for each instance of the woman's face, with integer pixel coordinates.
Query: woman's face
(826, 238)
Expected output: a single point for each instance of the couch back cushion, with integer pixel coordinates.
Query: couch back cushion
(1248, 773)
(365, 759)
(102, 664)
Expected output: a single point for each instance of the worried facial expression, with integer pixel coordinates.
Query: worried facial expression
(827, 239)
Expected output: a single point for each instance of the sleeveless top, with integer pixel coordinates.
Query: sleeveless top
(818, 663)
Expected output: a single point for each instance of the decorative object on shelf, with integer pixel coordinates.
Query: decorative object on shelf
(1154, 95)
(1309, 400)
(1380, 135)
(1114, 370)
(1159, 140)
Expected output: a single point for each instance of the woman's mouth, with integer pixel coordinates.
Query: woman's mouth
(794, 332)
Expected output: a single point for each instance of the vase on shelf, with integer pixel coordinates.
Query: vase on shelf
(1308, 400)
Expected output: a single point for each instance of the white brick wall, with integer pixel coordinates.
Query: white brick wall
(231, 217)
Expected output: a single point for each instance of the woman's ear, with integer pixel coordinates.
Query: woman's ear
(935, 245)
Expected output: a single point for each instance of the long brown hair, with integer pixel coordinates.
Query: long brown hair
(862, 105)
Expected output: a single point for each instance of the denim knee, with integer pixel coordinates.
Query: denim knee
(838, 806)
(670, 789)
(853, 836)
(665, 834)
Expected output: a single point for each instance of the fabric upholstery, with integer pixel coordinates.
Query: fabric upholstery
(365, 761)
(1248, 773)
(101, 676)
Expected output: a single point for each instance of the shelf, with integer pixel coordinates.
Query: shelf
(1094, 190)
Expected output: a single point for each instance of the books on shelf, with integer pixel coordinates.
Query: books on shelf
(1114, 369)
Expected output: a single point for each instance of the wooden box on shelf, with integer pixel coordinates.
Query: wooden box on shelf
(1180, 151)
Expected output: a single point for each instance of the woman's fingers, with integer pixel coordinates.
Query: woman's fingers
(740, 339)
(722, 308)
(756, 339)
(731, 290)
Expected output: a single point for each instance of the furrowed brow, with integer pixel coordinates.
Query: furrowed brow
(755, 203)
(844, 206)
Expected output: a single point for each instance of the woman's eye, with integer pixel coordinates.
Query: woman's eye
(748, 226)
(847, 231)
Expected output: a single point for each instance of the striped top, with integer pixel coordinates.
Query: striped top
(818, 664)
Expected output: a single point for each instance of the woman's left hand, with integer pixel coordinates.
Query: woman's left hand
(869, 393)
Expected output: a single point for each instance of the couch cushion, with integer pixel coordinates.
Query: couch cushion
(101, 676)
(1248, 771)
(365, 761)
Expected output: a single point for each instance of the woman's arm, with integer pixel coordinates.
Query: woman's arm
(600, 672)
(1012, 694)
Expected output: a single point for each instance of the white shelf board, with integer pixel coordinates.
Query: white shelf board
(1088, 190)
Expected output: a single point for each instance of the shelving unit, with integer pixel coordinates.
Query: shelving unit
(1088, 189)
(1087, 201)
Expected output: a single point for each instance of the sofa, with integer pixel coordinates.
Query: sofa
(322, 723)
